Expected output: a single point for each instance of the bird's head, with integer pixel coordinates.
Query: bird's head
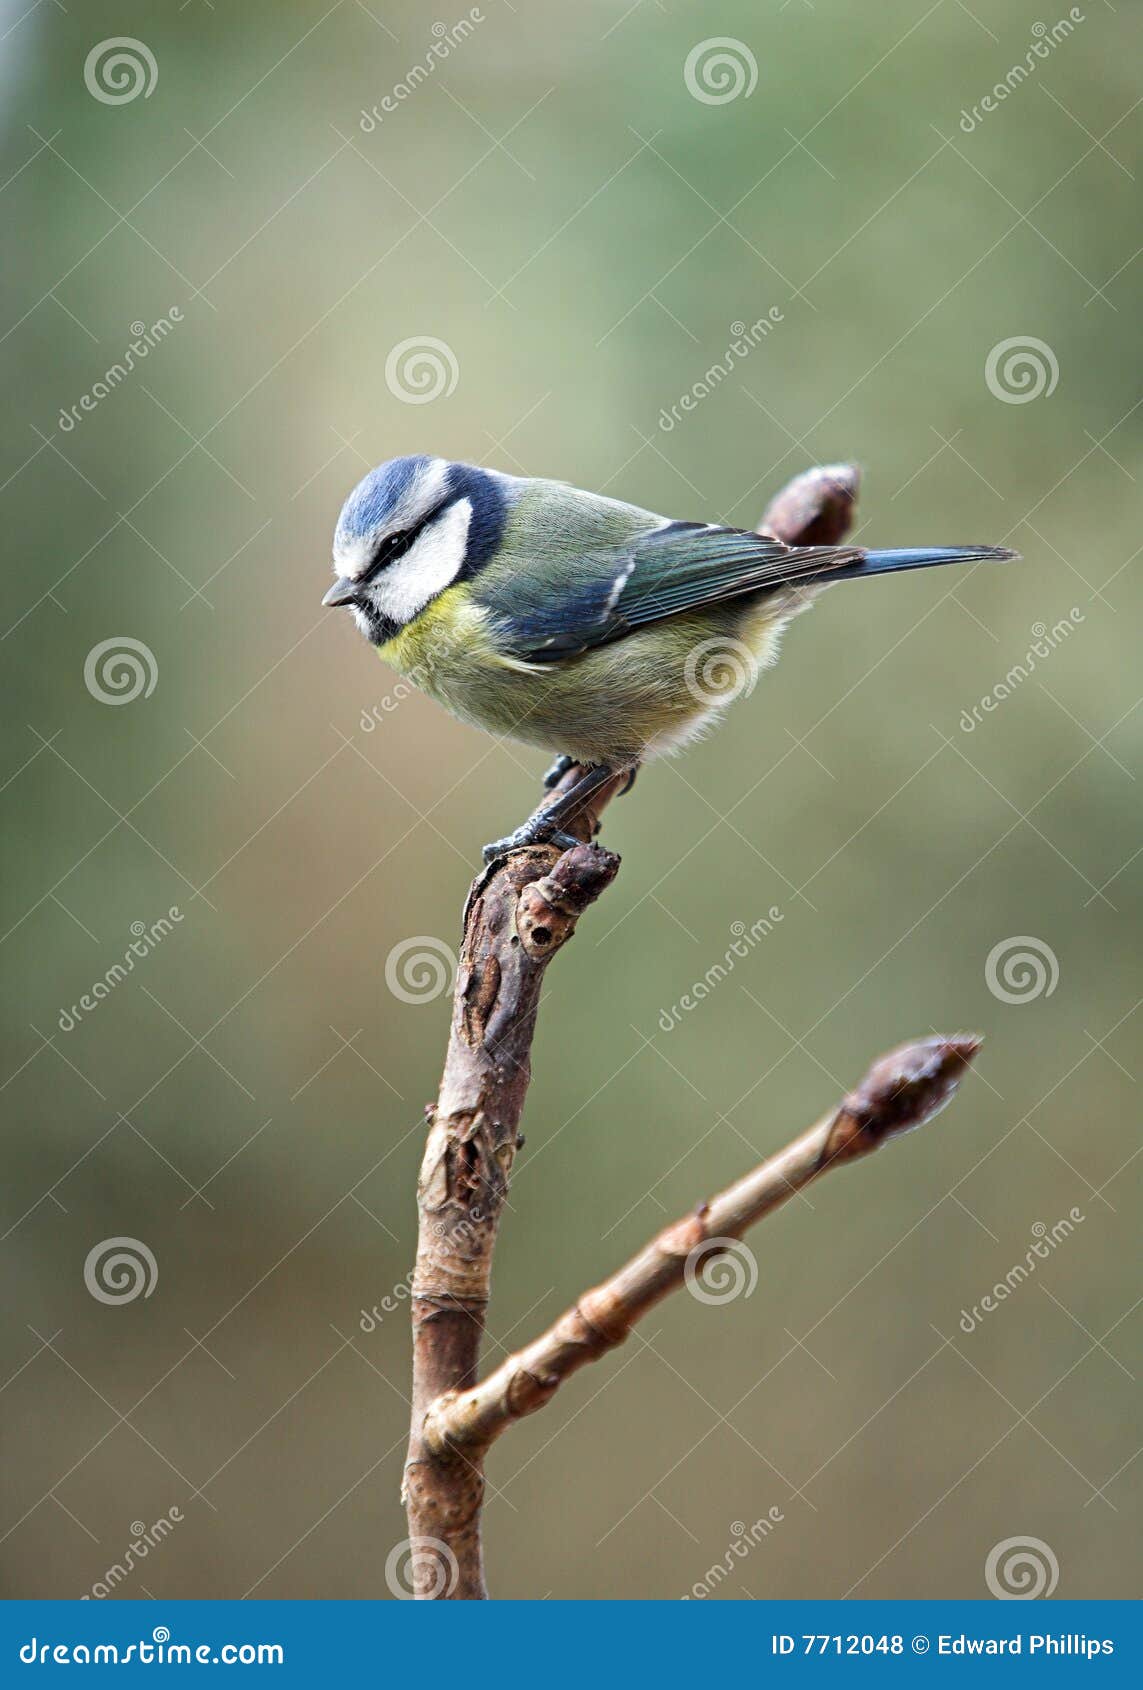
(411, 528)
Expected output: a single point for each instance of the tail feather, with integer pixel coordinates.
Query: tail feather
(917, 557)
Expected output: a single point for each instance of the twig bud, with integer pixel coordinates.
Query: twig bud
(902, 1090)
(815, 509)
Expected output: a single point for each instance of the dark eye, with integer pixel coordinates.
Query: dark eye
(390, 548)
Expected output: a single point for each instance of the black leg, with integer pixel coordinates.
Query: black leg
(547, 825)
(558, 770)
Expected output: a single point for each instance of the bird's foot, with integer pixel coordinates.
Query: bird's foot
(557, 771)
(546, 827)
(538, 830)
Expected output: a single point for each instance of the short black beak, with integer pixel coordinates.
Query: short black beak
(342, 592)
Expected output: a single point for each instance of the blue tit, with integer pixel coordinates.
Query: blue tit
(598, 630)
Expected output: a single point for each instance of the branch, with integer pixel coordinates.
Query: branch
(900, 1092)
(516, 919)
(519, 913)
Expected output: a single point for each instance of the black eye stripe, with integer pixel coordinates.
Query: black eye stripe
(391, 548)
(394, 546)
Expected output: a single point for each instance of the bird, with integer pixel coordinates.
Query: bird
(572, 621)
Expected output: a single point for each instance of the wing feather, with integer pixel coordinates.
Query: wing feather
(661, 572)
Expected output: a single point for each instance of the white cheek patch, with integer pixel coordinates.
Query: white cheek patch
(431, 564)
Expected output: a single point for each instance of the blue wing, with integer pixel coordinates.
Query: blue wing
(546, 614)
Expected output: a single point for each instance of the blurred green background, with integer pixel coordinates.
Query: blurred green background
(555, 205)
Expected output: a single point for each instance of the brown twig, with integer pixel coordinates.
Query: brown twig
(519, 913)
(516, 919)
(900, 1092)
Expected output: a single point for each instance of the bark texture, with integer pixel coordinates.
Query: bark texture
(519, 914)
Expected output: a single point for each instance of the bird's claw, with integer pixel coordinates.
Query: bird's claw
(546, 827)
(534, 832)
